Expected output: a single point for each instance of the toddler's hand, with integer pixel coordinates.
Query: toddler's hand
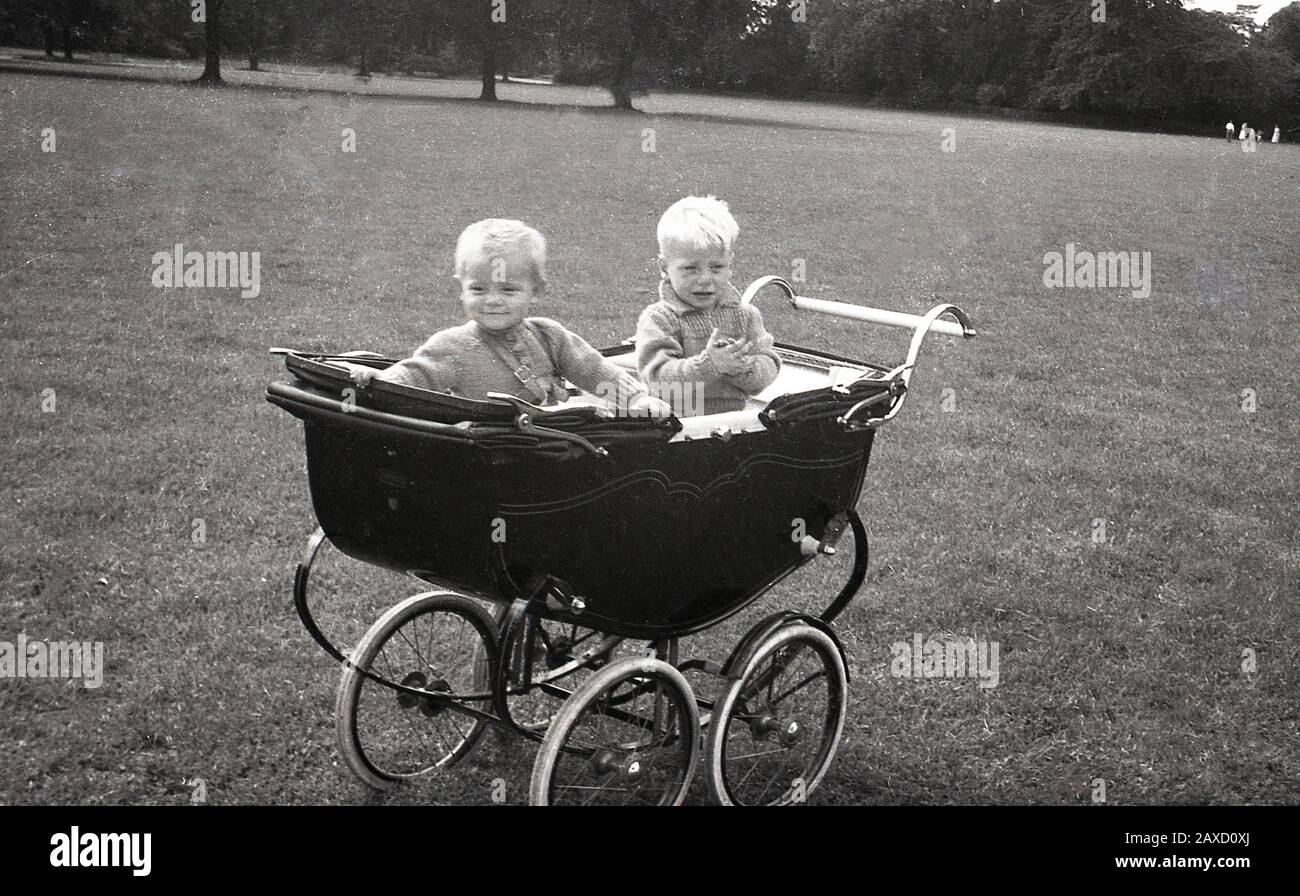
(644, 404)
(363, 375)
(728, 357)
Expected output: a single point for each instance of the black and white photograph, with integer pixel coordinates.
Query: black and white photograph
(806, 403)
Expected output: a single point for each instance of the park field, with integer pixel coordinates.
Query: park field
(1102, 483)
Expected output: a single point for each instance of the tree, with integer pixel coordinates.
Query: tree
(1243, 19)
(70, 24)
(624, 45)
(737, 45)
(484, 25)
(254, 35)
(211, 43)
(1281, 32)
(370, 22)
(1149, 59)
(489, 28)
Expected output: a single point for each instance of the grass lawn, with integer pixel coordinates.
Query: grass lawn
(1120, 660)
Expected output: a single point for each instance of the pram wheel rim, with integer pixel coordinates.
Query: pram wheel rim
(353, 692)
(683, 712)
(797, 789)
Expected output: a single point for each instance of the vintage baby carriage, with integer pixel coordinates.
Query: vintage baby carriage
(558, 536)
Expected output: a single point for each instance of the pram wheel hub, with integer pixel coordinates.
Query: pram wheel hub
(768, 727)
(599, 541)
(427, 705)
(608, 762)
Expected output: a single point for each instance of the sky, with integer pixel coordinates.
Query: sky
(1266, 7)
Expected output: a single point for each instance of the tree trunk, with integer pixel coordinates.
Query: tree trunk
(67, 41)
(487, 34)
(622, 96)
(363, 71)
(255, 44)
(489, 70)
(620, 86)
(621, 82)
(212, 44)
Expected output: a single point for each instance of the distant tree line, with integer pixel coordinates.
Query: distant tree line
(1129, 61)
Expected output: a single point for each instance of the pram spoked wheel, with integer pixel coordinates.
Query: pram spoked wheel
(627, 736)
(775, 730)
(430, 642)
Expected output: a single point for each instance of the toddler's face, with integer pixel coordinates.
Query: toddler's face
(698, 276)
(498, 290)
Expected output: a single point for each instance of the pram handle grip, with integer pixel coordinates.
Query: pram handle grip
(859, 312)
(901, 376)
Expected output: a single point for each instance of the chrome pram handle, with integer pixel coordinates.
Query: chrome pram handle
(861, 312)
(900, 377)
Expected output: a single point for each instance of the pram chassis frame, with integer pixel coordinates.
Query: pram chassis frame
(511, 631)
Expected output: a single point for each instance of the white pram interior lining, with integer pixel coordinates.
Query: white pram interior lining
(799, 373)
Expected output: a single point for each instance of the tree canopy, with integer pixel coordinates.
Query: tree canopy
(1136, 61)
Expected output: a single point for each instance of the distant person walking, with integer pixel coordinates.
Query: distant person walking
(1241, 135)
(1230, 129)
(1277, 134)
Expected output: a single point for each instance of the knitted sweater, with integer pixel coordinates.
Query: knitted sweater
(671, 338)
(462, 361)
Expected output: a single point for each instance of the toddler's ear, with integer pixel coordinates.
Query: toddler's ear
(663, 268)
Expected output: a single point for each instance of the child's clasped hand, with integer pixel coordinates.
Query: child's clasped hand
(730, 357)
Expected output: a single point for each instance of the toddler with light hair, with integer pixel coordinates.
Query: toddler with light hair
(698, 334)
(501, 268)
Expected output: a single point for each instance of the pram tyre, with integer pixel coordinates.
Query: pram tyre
(381, 758)
(756, 714)
(658, 772)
